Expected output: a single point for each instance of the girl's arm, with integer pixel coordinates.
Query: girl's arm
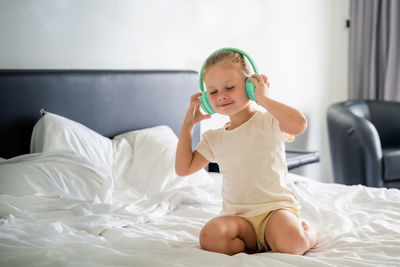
(291, 121)
(186, 160)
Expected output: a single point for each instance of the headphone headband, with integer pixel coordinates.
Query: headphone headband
(225, 49)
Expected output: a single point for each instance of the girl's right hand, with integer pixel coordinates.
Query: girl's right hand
(194, 114)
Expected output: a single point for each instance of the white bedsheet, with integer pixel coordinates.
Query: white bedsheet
(84, 200)
(356, 226)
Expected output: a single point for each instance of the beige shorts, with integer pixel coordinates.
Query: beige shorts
(260, 221)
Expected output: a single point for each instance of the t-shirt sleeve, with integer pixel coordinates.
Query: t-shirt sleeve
(204, 147)
(272, 124)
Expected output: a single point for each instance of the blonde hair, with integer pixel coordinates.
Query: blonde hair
(229, 56)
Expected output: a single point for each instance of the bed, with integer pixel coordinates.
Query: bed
(87, 179)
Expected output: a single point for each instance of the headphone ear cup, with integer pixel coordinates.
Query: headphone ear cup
(205, 103)
(251, 89)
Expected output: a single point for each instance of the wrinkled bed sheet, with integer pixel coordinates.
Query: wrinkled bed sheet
(80, 199)
(355, 225)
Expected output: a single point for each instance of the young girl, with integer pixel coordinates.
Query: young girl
(259, 212)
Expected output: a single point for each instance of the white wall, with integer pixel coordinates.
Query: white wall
(300, 45)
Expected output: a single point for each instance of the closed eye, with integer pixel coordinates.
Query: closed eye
(213, 92)
(230, 88)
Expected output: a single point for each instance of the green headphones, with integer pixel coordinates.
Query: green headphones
(250, 87)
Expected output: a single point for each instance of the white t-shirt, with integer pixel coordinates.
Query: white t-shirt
(251, 159)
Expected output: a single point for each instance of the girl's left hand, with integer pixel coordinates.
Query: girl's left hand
(262, 86)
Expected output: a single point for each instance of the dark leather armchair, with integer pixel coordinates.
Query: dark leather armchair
(364, 139)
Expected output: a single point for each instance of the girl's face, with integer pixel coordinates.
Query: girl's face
(225, 83)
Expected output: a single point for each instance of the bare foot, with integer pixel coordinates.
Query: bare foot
(312, 237)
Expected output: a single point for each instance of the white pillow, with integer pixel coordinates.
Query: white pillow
(54, 175)
(152, 166)
(53, 132)
(140, 162)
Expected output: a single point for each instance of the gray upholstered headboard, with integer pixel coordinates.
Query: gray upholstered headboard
(108, 101)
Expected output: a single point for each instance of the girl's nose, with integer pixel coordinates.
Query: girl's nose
(221, 96)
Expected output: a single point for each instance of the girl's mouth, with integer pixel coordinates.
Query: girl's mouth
(225, 104)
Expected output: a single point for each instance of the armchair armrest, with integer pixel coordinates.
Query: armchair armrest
(355, 148)
(371, 150)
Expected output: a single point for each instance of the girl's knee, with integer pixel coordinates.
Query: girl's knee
(216, 236)
(294, 242)
(212, 235)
